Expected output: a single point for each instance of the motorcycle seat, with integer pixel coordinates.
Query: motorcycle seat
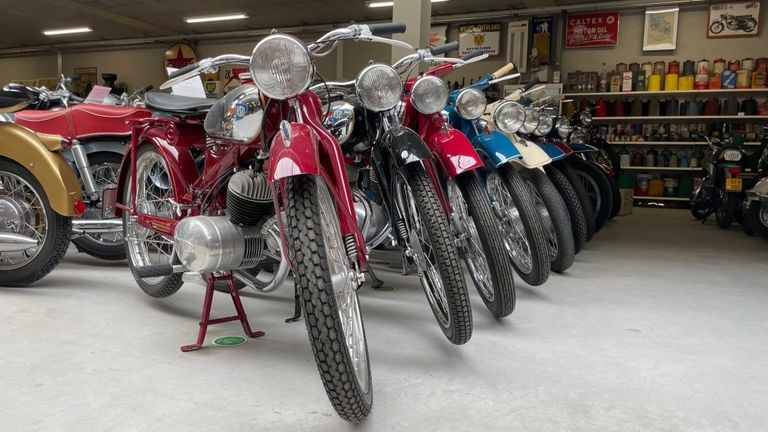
(173, 104)
(82, 121)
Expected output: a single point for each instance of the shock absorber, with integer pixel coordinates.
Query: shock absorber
(402, 230)
(351, 246)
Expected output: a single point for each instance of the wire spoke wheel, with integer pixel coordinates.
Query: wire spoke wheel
(21, 212)
(515, 239)
(546, 220)
(105, 169)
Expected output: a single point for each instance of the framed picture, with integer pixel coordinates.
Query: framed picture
(660, 30)
(734, 19)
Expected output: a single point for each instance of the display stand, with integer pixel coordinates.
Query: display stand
(205, 319)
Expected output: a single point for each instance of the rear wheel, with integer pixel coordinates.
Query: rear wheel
(25, 212)
(598, 188)
(328, 287)
(432, 249)
(107, 246)
(144, 246)
(573, 204)
(725, 212)
(485, 253)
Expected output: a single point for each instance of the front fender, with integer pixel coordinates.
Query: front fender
(497, 146)
(297, 155)
(51, 169)
(454, 152)
(552, 150)
(582, 148)
(533, 155)
(405, 146)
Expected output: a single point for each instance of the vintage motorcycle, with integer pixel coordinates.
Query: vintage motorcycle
(99, 134)
(746, 23)
(273, 188)
(756, 207)
(39, 196)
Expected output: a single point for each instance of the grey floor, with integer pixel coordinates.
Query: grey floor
(660, 326)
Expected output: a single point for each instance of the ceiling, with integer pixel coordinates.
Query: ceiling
(23, 21)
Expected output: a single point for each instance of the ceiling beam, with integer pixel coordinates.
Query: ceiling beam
(138, 24)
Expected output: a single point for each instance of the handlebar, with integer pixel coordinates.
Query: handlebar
(444, 48)
(185, 70)
(530, 84)
(386, 28)
(471, 55)
(504, 70)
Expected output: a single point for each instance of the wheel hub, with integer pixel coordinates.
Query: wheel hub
(14, 214)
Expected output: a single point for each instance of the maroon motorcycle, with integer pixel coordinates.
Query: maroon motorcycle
(270, 194)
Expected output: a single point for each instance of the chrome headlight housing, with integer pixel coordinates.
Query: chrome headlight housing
(579, 135)
(509, 116)
(429, 94)
(531, 121)
(585, 117)
(471, 103)
(564, 127)
(281, 66)
(545, 124)
(379, 87)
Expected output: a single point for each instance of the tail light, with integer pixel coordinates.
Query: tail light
(734, 171)
(79, 207)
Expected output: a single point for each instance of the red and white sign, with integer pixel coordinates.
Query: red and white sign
(592, 30)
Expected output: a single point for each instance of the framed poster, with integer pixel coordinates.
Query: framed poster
(592, 29)
(660, 30)
(733, 19)
(480, 37)
(542, 40)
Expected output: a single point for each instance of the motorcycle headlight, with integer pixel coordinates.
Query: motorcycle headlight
(731, 155)
(509, 116)
(429, 94)
(531, 121)
(281, 66)
(586, 118)
(545, 124)
(564, 127)
(579, 135)
(379, 87)
(470, 104)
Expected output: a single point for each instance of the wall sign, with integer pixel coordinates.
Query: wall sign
(177, 56)
(592, 30)
(733, 19)
(542, 39)
(480, 37)
(660, 30)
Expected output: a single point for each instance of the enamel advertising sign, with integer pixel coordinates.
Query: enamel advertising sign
(592, 30)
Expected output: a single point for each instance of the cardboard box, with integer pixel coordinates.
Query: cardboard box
(627, 202)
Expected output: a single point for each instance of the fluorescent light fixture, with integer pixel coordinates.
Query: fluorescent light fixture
(67, 31)
(214, 18)
(377, 4)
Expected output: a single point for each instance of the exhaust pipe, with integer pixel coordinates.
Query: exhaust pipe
(85, 226)
(12, 242)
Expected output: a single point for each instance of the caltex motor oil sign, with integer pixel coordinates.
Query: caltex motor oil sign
(592, 30)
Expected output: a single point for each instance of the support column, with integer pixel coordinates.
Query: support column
(417, 16)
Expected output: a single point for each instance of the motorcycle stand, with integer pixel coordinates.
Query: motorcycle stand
(205, 319)
(376, 283)
(296, 308)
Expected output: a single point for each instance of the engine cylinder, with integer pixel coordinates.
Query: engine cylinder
(212, 243)
(249, 198)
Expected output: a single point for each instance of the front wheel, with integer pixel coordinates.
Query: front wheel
(750, 25)
(726, 211)
(484, 252)
(573, 204)
(717, 27)
(757, 218)
(328, 287)
(596, 182)
(430, 245)
(25, 211)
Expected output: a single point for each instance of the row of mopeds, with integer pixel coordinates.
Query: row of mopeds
(292, 175)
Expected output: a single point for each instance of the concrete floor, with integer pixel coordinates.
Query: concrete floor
(660, 325)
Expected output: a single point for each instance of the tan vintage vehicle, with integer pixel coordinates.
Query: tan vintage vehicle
(39, 196)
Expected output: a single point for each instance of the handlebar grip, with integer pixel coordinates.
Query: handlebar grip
(444, 48)
(186, 69)
(470, 56)
(504, 70)
(530, 85)
(386, 28)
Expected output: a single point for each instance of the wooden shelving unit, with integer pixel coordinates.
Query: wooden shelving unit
(657, 168)
(661, 94)
(684, 119)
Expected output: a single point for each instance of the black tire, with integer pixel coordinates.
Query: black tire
(701, 200)
(581, 192)
(532, 227)
(561, 247)
(159, 287)
(716, 27)
(726, 211)
(501, 302)
(596, 182)
(58, 232)
(458, 328)
(312, 274)
(106, 250)
(573, 204)
(757, 218)
(616, 196)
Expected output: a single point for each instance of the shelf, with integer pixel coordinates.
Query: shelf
(682, 119)
(654, 198)
(655, 168)
(672, 143)
(694, 93)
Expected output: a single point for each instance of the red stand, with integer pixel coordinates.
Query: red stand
(206, 320)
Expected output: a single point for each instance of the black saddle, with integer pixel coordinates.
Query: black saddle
(181, 105)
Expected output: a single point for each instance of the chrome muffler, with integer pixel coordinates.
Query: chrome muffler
(91, 226)
(12, 242)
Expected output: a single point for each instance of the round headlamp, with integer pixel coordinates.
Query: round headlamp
(379, 87)
(531, 121)
(585, 117)
(429, 94)
(281, 66)
(509, 117)
(579, 135)
(470, 104)
(564, 127)
(545, 124)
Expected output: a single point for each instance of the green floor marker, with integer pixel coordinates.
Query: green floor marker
(229, 341)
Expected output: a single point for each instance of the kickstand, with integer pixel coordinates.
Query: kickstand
(296, 308)
(205, 319)
(375, 281)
